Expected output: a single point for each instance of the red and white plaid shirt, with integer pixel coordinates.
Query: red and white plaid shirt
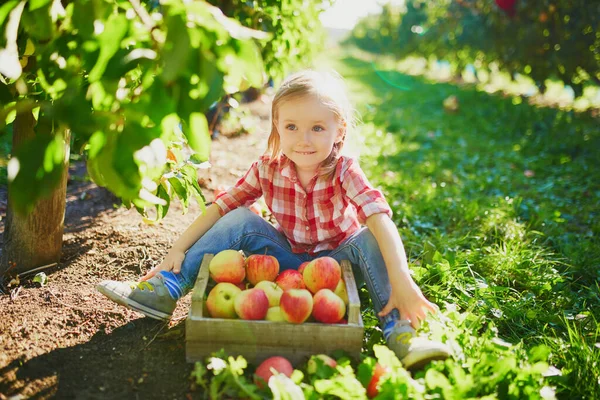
(318, 218)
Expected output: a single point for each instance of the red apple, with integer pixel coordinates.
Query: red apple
(322, 273)
(272, 290)
(220, 300)
(271, 366)
(302, 266)
(328, 308)
(227, 266)
(296, 305)
(261, 267)
(290, 279)
(251, 304)
(378, 372)
(341, 291)
(311, 367)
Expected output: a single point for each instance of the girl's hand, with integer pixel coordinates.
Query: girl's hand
(172, 262)
(410, 302)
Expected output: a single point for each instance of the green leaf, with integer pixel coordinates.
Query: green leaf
(191, 180)
(436, 379)
(96, 143)
(134, 160)
(103, 172)
(35, 4)
(198, 135)
(40, 278)
(5, 9)
(386, 356)
(284, 388)
(180, 191)
(210, 85)
(35, 170)
(251, 63)
(115, 29)
(365, 371)
(176, 48)
(161, 209)
(38, 23)
(84, 14)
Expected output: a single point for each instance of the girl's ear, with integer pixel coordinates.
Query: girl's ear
(341, 132)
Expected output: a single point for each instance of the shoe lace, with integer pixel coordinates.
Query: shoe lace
(141, 286)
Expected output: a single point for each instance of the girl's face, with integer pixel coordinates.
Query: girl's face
(307, 132)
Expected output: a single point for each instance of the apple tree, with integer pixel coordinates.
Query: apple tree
(125, 83)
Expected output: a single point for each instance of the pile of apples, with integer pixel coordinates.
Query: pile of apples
(253, 289)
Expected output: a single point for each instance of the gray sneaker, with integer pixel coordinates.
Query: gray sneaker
(414, 352)
(151, 297)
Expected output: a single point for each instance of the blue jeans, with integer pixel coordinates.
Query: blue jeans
(241, 229)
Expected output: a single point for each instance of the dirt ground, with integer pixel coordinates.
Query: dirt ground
(67, 341)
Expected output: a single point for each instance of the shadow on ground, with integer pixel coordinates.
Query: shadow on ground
(150, 360)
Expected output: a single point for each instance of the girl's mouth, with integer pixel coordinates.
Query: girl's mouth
(306, 153)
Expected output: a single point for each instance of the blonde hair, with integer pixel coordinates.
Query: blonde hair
(329, 88)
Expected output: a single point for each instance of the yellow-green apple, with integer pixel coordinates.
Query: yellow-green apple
(274, 315)
(290, 279)
(302, 266)
(271, 366)
(251, 304)
(312, 365)
(220, 300)
(296, 305)
(328, 308)
(372, 387)
(261, 267)
(322, 273)
(272, 290)
(227, 266)
(341, 291)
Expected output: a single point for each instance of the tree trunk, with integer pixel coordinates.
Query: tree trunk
(34, 240)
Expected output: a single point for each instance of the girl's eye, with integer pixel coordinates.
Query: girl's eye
(291, 127)
(319, 128)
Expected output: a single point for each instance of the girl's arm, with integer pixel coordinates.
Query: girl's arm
(175, 256)
(406, 295)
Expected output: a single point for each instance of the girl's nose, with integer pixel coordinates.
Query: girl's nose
(306, 136)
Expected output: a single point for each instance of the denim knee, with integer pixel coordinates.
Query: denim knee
(239, 219)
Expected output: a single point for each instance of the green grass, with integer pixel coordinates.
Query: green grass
(498, 207)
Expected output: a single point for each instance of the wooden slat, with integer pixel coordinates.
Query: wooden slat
(258, 338)
(353, 299)
(199, 351)
(200, 287)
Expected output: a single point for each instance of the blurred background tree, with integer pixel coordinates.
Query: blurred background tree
(546, 39)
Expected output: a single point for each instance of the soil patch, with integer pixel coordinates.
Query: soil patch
(65, 340)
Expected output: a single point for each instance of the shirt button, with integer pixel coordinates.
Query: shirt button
(307, 228)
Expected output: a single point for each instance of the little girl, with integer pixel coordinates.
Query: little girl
(319, 199)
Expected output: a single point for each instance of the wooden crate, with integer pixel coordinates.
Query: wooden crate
(258, 340)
